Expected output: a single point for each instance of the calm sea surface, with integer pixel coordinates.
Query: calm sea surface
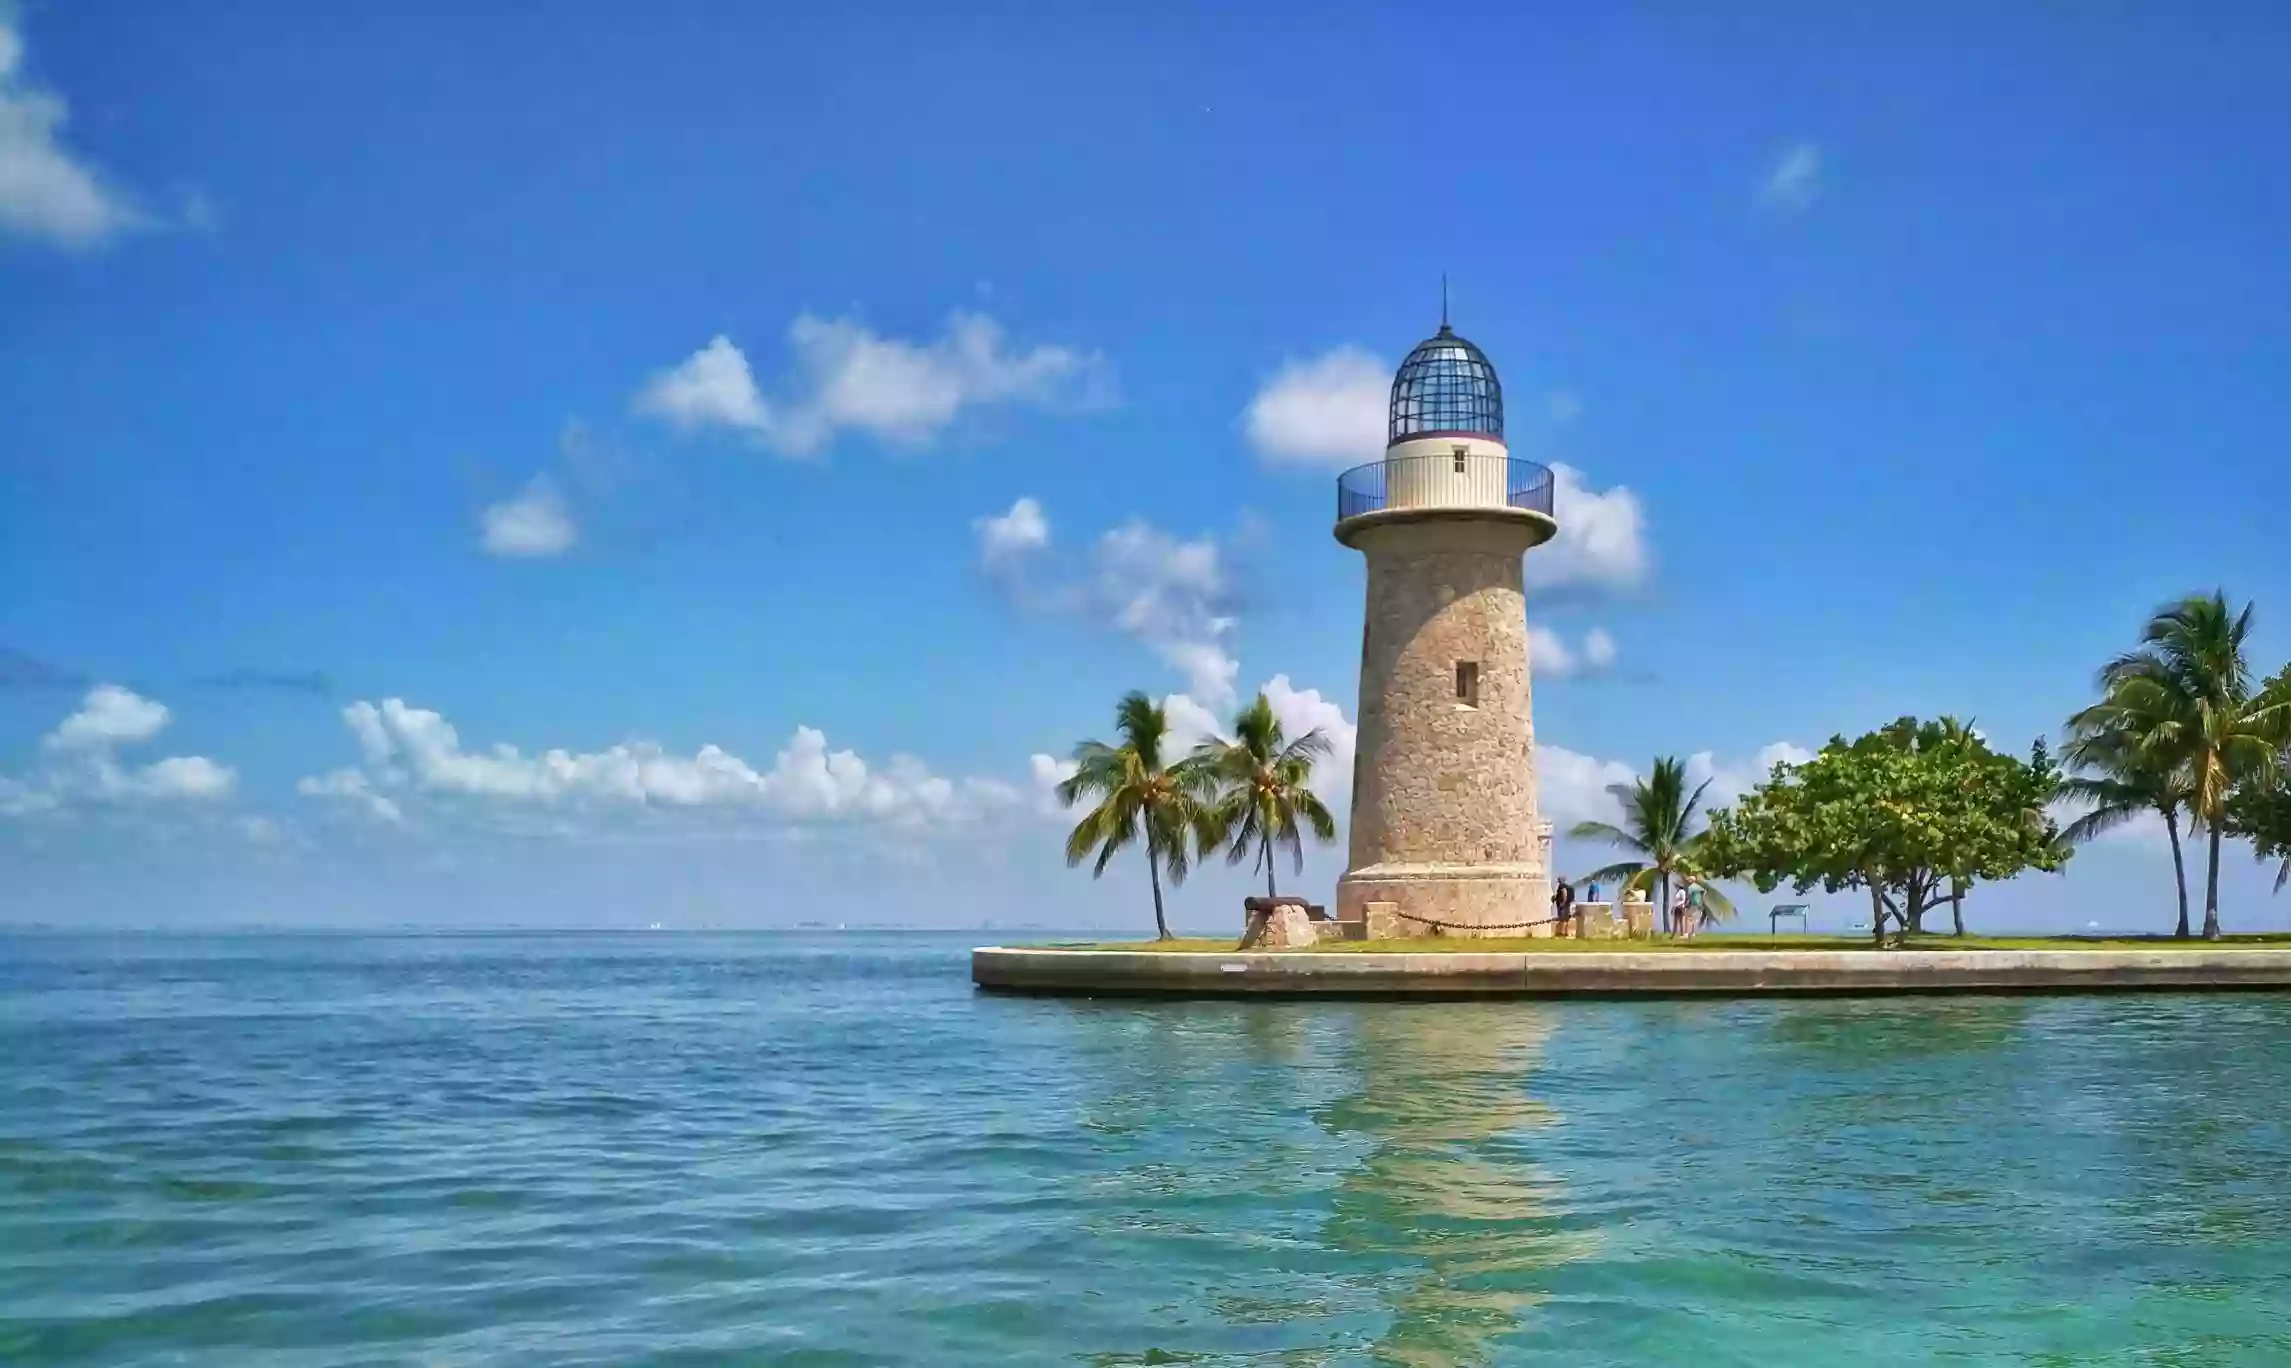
(786, 1149)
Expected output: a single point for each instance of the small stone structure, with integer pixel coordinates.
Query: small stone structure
(1633, 920)
(1284, 924)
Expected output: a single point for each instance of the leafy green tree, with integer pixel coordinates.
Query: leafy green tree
(1914, 813)
(1140, 799)
(2123, 766)
(1659, 826)
(1260, 795)
(2260, 810)
(2190, 683)
(2261, 814)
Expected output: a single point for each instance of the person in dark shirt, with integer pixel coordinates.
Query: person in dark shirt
(1563, 904)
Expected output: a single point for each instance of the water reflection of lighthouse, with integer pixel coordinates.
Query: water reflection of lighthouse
(1448, 1197)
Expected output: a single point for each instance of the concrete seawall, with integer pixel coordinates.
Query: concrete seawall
(1086, 973)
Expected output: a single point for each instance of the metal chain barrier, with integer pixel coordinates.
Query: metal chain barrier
(1478, 926)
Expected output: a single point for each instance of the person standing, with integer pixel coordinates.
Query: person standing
(1678, 912)
(1563, 906)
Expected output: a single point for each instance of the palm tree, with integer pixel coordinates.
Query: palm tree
(2191, 681)
(1658, 821)
(2122, 769)
(1139, 798)
(1261, 794)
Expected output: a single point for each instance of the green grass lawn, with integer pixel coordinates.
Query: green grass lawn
(1706, 944)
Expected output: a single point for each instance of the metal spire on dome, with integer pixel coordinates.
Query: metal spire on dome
(1443, 301)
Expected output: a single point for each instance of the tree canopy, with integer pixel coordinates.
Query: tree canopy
(1911, 813)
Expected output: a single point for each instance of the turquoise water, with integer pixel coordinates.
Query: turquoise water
(655, 1149)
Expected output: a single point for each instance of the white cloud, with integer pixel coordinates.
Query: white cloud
(178, 776)
(1728, 782)
(353, 787)
(1047, 773)
(1304, 710)
(713, 387)
(46, 192)
(1574, 785)
(109, 716)
(1324, 410)
(1167, 593)
(415, 749)
(1003, 538)
(848, 377)
(1601, 542)
(1793, 181)
(1550, 657)
(86, 766)
(1299, 711)
(1190, 724)
(538, 522)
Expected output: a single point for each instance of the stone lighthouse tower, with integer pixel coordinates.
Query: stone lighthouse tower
(1445, 835)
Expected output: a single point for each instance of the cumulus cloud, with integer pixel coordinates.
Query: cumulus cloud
(1572, 787)
(1305, 710)
(47, 192)
(713, 387)
(1168, 594)
(1047, 772)
(1602, 542)
(1793, 180)
(1730, 780)
(1299, 710)
(86, 765)
(355, 790)
(846, 376)
(1004, 538)
(177, 776)
(109, 716)
(1323, 410)
(538, 522)
(1551, 657)
(409, 750)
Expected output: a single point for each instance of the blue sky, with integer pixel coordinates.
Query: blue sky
(359, 354)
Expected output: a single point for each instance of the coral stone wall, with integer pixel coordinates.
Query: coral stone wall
(1443, 805)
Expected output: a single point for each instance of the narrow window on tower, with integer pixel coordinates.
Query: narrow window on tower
(1468, 683)
(1460, 454)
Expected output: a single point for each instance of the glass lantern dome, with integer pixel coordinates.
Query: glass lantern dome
(1447, 387)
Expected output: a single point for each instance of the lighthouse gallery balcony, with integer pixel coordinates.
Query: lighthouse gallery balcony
(1459, 481)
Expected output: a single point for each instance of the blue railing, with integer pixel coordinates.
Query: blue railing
(1467, 481)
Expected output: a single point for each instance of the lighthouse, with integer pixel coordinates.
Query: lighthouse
(1445, 838)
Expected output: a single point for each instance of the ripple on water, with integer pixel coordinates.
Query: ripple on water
(630, 1149)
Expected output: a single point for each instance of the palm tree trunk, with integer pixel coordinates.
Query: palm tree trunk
(2211, 887)
(1668, 928)
(1270, 891)
(2179, 869)
(1153, 871)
